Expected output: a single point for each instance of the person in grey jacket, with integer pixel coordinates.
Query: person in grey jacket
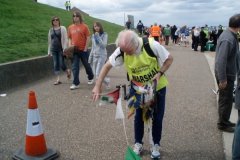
(98, 54)
(225, 72)
(236, 139)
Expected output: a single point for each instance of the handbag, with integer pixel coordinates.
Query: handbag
(68, 52)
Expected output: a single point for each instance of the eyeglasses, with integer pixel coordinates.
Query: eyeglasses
(75, 16)
(55, 19)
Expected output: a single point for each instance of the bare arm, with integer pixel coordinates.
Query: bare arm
(164, 67)
(97, 88)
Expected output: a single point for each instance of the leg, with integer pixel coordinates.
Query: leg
(75, 69)
(225, 104)
(138, 126)
(88, 69)
(158, 116)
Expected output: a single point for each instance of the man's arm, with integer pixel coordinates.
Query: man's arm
(167, 63)
(97, 88)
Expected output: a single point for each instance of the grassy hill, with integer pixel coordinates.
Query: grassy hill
(24, 26)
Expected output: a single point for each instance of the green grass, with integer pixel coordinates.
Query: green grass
(24, 27)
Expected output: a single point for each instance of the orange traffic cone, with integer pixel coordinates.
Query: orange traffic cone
(35, 146)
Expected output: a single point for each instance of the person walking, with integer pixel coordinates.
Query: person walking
(128, 24)
(140, 27)
(57, 42)
(225, 71)
(139, 64)
(156, 32)
(98, 54)
(167, 33)
(79, 36)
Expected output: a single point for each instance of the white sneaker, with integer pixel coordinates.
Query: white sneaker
(155, 151)
(137, 148)
(90, 81)
(73, 86)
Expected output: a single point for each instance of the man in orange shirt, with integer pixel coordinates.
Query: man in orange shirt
(79, 36)
(155, 32)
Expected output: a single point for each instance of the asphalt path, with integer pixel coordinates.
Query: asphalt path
(81, 130)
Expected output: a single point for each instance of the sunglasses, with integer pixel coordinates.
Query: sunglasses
(55, 19)
(75, 16)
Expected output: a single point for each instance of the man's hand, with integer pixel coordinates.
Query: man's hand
(222, 85)
(96, 93)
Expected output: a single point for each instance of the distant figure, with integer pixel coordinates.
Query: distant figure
(140, 27)
(174, 37)
(203, 39)
(220, 30)
(69, 5)
(167, 33)
(156, 32)
(128, 24)
(66, 5)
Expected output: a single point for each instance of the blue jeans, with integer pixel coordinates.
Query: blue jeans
(75, 66)
(236, 141)
(58, 61)
(157, 119)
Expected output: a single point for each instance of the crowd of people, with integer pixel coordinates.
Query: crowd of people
(68, 46)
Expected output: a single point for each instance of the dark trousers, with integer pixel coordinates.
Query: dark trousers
(76, 69)
(225, 101)
(166, 40)
(236, 141)
(195, 43)
(157, 120)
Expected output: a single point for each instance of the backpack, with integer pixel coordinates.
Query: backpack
(146, 46)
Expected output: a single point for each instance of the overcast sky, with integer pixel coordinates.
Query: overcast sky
(178, 12)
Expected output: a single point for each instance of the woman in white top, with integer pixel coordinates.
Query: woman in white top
(57, 42)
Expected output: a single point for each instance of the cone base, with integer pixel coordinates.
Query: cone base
(21, 155)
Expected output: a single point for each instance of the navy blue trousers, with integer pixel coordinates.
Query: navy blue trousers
(157, 119)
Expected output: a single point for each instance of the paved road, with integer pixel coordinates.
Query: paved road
(81, 130)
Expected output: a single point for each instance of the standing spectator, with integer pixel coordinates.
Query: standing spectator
(156, 32)
(203, 39)
(196, 36)
(57, 42)
(220, 30)
(167, 33)
(225, 72)
(173, 30)
(213, 37)
(140, 27)
(128, 24)
(192, 30)
(66, 5)
(139, 64)
(69, 5)
(79, 36)
(98, 54)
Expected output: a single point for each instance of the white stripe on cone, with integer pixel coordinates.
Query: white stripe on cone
(34, 125)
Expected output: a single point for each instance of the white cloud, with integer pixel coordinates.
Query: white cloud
(179, 12)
